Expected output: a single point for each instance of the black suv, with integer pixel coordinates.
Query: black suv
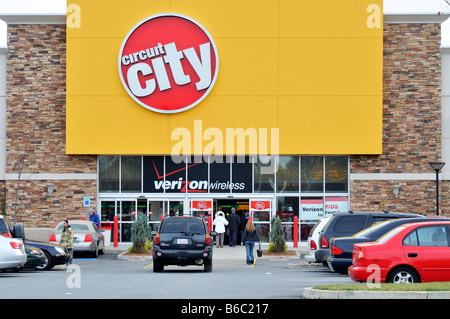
(348, 224)
(341, 248)
(182, 241)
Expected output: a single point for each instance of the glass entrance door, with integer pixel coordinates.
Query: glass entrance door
(156, 211)
(202, 208)
(175, 207)
(127, 215)
(108, 210)
(261, 212)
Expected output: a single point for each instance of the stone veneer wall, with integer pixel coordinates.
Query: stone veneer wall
(411, 124)
(36, 126)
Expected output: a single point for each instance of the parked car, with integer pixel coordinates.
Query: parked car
(341, 248)
(12, 253)
(87, 237)
(35, 257)
(313, 239)
(54, 254)
(348, 224)
(417, 252)
(182, 241)
(17, 231)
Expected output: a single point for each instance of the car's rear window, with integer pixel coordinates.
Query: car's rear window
(3, 226)
(182, 225)
(75, 227)
(350, 224)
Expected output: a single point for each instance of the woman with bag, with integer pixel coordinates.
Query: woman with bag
(249, 239)
(220, 222)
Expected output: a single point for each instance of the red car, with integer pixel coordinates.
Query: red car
(416, 252)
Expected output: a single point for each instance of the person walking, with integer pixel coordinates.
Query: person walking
(249, 239)
(233, 226)
(220, 222)
(93, 217)
(242, 226)
(67, 239)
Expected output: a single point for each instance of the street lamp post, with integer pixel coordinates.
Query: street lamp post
(437, 167)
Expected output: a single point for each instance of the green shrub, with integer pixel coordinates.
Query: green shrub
(277, 241)
(140, 234)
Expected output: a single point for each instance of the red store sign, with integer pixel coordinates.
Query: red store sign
(260, 205)
(168, 63)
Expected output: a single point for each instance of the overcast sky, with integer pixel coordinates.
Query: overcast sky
(389, 6)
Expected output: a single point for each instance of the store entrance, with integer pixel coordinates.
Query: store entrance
(242, 210)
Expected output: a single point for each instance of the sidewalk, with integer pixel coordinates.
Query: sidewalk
(227, 252)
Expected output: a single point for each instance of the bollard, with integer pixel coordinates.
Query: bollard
(116, 231)
(295, 232)
(209, 223)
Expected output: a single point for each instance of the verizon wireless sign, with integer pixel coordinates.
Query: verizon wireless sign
(168, 63)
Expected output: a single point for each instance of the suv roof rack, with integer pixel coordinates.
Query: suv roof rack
(350, 211)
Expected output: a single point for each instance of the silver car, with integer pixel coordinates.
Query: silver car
(12, 253)
(87, 237)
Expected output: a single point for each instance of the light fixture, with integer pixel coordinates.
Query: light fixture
(396, 190)
(50, 189)
(437, 167)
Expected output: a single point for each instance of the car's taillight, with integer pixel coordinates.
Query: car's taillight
(157, 238)
(88, 237)
(207, 240)
(52, 237)
(15, 245)
(359, 254)
(7, 235)
(324, 242)
(312, 245)
(335, 250)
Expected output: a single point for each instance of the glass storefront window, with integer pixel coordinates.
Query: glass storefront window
(130, 174)
(264, 171)
(108, 211)
(287, 208)
(263, 231)
(336, 174)
(311, 208)
(311, 174)
(155, 210)
(108, 174)
(258, 174)
(335, 205)
(287, 174)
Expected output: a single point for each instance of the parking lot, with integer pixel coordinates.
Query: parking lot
(109, 277)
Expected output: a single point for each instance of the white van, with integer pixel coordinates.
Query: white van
(313, 239)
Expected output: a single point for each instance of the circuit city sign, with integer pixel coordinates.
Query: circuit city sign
(168, 63)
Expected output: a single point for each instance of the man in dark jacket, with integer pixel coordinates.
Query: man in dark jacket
(233, 226)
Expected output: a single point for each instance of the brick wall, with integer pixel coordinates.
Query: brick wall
(411, 123)
(36, 125)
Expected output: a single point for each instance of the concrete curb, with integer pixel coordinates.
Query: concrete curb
(310, 293)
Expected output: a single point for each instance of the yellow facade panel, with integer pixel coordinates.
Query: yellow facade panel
(247, 67)
(233, 18)
(330, 18)
(98, 125)
(330, 66)
(311, 71)
(92, 67)
(330, 125)
(112, 18)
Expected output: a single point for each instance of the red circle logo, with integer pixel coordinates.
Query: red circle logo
(168, 63)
